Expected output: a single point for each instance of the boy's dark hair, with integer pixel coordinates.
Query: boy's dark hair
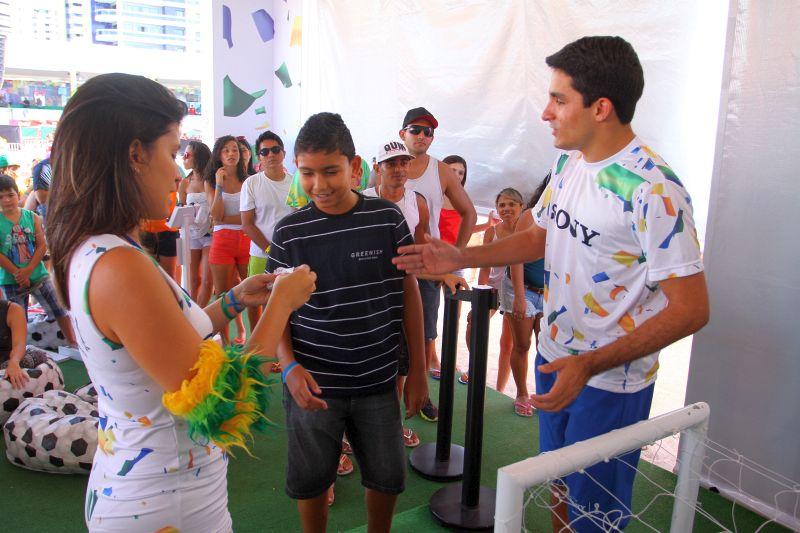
(7, 182)
(603, 67)
(325, 132)
(268, 136)
(215, 163)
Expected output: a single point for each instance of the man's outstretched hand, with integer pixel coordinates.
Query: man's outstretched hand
(433, 257)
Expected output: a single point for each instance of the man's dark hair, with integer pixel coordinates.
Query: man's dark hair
(603, 67)
(8, 183)
(325, 132)
(268, 136)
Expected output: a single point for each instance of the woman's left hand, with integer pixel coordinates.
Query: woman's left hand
(253, 291)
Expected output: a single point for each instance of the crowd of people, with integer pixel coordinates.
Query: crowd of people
(341, 269)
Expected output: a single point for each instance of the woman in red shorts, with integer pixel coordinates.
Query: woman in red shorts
(230, 247)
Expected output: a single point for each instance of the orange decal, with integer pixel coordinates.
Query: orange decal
(627, 323)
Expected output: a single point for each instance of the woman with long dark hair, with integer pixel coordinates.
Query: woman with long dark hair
(230, 246)
(192, 192)
(171, 401)
(246, 151)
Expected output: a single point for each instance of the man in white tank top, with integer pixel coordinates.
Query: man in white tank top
(433, 180)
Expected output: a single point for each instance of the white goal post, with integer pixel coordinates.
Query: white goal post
(690, 421)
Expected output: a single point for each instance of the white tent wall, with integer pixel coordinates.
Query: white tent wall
(250, 63)
(478, 65)
(746, 362)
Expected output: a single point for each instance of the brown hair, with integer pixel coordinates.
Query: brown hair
(511, 193)
(215, 163)
(94, 189)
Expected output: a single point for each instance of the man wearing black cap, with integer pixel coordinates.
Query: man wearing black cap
(433, 180)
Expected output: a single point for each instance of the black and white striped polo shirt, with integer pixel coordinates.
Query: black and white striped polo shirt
(347, 334)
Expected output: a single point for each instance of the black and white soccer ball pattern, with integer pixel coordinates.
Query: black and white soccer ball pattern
(44, 377)
(55, 432)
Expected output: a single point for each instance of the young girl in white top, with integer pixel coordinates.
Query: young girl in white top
(509, 206)
(171, 401)
(191, 191)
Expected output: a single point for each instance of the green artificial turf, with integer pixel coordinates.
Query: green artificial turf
(34, 502)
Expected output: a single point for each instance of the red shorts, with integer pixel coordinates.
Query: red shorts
(229, 247)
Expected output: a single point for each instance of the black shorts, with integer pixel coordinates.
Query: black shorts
(431, 294)
(161, 244)
(374, 429)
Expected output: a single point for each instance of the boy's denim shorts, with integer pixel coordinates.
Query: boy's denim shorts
(374, 429)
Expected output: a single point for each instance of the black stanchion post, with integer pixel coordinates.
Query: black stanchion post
(476, 394)
(444, 429)
(468, 505)
(444, 461)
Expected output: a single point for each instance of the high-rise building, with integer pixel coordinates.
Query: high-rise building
(41, 20)
(154, 24)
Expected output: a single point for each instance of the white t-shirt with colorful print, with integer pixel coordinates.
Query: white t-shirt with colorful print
(615, 228)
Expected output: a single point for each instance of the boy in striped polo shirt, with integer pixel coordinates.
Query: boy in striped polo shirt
(339, 351)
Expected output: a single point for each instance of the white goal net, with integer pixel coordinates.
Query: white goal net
(531, 493)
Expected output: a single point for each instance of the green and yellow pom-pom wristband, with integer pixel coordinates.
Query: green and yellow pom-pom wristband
(226, 398)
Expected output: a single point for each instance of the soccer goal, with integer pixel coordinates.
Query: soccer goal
(533, 480)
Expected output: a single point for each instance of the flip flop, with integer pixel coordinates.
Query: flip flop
(346, 448)
(410, 439)
(463, 378)
(345, 466)
(523, 408)
(436, 374)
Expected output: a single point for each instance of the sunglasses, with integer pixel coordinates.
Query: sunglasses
(415, 130)
(275, 150)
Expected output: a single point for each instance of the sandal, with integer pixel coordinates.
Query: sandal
(436, 374)
(463, 378)
(345, 466)
(331, 495)
(346, 448)
(523, 408)
(410, 439)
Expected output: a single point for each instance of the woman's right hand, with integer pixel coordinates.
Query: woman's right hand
(295, 289)
(220, 175)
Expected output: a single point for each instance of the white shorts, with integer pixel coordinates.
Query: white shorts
(200, 243)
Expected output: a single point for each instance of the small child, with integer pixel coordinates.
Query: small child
(340, 351)
(22, 248)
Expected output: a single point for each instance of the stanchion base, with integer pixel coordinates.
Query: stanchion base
(446, 507)
(423, 460)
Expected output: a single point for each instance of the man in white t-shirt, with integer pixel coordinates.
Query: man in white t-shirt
(263, 203)
(623, 272)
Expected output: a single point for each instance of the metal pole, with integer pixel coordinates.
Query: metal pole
(691, 451)
(482, 299)
(444, 430)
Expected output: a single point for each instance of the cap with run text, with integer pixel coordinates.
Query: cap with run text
(391, 150)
